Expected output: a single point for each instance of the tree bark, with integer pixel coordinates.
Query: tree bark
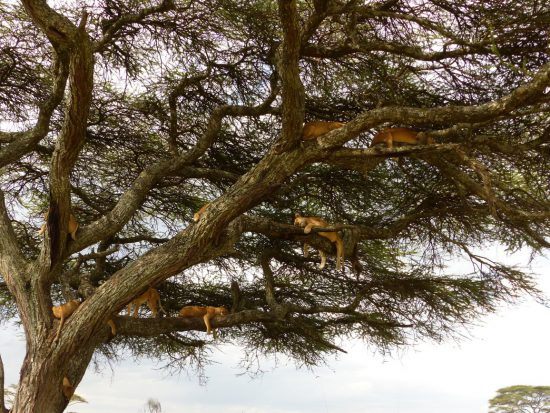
(47, 362)
(44, 366)
(2, 401)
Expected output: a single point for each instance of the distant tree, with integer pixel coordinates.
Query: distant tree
(521, 399)
(133, 114)
(152, 406)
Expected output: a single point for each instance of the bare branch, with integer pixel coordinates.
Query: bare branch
(172, 102)
(112, 28)
(279, 309)
(22, 143)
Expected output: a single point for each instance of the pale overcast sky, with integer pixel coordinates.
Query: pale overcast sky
(510, 347)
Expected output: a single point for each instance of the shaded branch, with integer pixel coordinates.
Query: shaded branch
(112, 28)
(129, 202)
(151, 327)
(278, 308)
(370, 46)
(22, 143)
(13, 265)
(525, 94)
(293, 95)
(71, 277)
(178, 91)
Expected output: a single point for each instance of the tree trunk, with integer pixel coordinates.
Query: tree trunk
(46, 364)
(40, 385)
(2, 401)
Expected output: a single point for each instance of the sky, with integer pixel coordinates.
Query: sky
(506, 348)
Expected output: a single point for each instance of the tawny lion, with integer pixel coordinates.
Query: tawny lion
(311, 222)
(205, 312)
(73, 226)
(63, 312)
(400, 136)
(312, 130)
(151, 297)
(67, 388)
(199, 213)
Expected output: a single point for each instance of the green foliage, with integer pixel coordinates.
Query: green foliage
(521, 399)
(160, 78)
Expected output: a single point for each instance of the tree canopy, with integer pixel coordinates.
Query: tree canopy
(521, 399)
(132, 115)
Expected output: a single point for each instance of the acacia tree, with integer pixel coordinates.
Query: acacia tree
(131, 115)
(521, 399)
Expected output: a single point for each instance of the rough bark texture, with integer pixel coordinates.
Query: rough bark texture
(252, 196)
(2, 401)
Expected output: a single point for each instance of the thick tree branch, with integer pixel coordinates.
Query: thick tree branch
(66, 38)
(151, 327)
(370, 46)
(525, 94)
(214, 175)
(293, 95)
(22, 143)
(13, 265)
(70, 142)
(56, 27)
(277, 230)
(140, 238)
(364, 160)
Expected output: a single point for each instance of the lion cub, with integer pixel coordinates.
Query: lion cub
(313, 130)
(73, 226)
(198, 214)
(311, 222)
(398, 137)
(67, 388)
(205, 312)
(151, 297)
(63, 312)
